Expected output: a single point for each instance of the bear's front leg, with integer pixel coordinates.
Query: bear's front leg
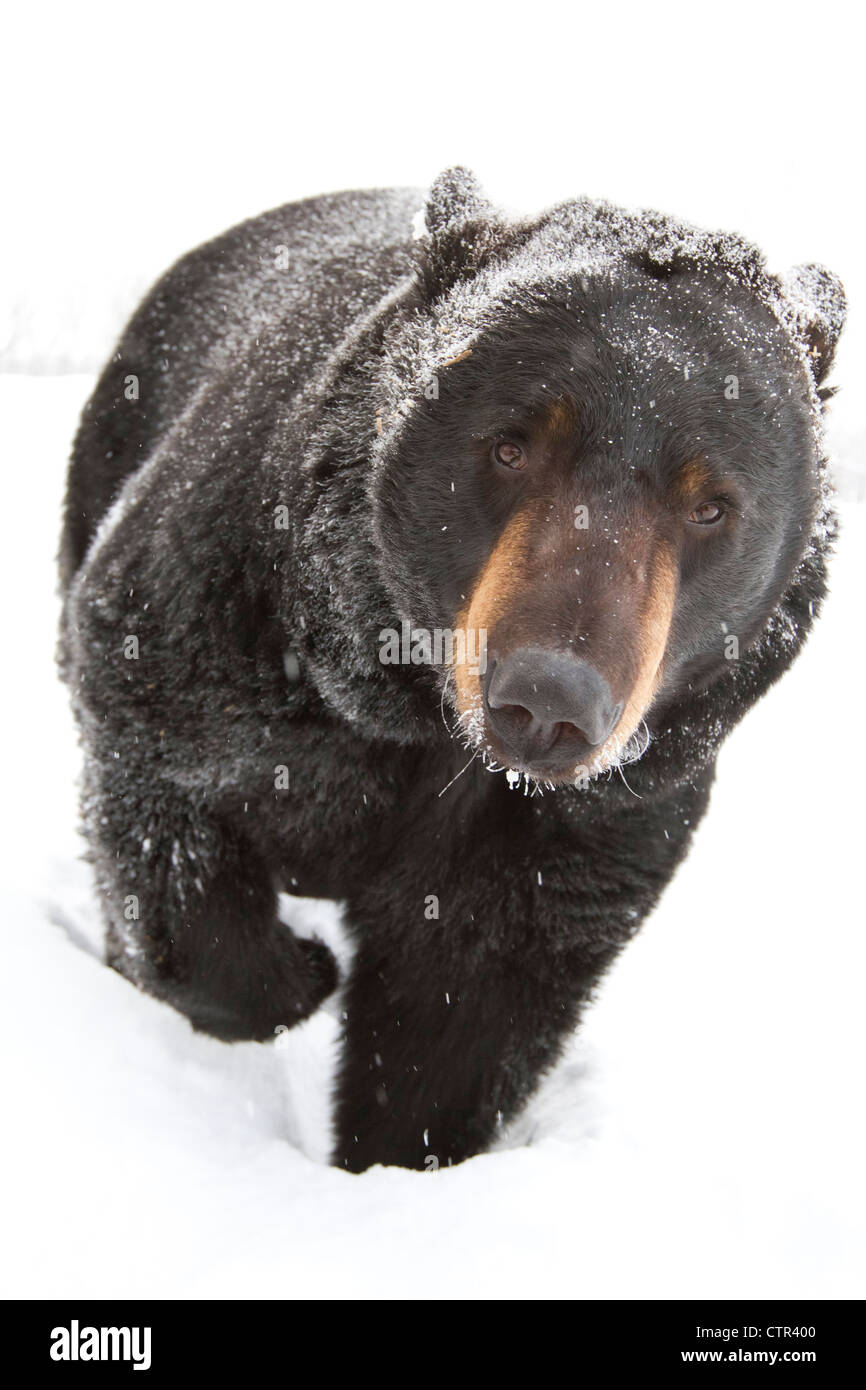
(191, 913)
(450, 1024)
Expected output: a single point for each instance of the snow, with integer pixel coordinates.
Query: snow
(705, 1136)
(702, 1138)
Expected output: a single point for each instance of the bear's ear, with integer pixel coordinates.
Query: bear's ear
(455, 197)
(465, 231)
(816, 301)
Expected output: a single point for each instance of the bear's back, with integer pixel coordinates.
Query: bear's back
(295, 278)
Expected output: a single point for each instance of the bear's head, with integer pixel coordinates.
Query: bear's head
(599, 467)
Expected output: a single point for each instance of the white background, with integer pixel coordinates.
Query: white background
(705, 1136)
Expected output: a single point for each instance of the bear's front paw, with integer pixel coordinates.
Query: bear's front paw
(285, 989)
(323, 976)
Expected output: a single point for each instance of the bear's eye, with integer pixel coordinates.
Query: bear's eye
(508, 454)
(707, 514)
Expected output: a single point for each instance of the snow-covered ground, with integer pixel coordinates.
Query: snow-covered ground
(703, 1138)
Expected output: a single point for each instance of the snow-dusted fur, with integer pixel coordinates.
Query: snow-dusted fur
(256, 492)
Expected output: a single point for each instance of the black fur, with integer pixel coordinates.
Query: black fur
(263, 385)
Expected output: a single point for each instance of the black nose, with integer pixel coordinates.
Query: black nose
(547, 707)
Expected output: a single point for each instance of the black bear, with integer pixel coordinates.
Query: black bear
(425, 567)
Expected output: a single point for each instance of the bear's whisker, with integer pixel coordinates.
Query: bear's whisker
(459, 774)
